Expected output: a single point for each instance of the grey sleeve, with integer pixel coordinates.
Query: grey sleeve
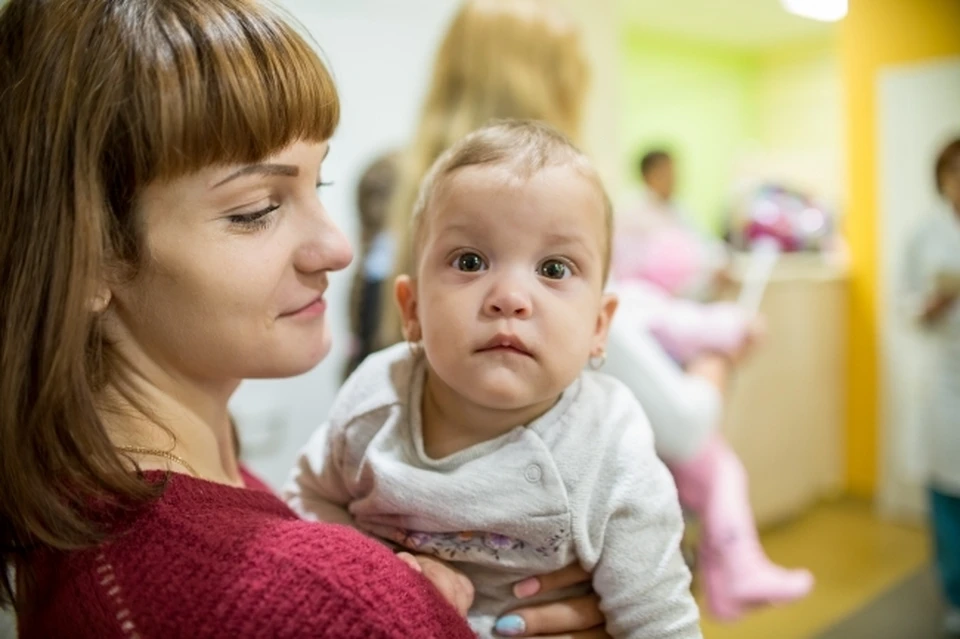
(640, 575)
(684, 410)
(315, 489)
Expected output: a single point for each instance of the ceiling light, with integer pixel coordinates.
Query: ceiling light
(823, 10)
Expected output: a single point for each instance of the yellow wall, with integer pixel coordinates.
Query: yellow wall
(876, 34)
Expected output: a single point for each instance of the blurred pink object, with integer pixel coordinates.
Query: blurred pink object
(688, 329)
(794, 220)
(737, 573)
(683, 328)
(670, 257)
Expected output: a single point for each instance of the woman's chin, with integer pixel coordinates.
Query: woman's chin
(293, 362)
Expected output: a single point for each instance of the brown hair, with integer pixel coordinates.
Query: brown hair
(527, 147)
(99, 99)
(651, 160)
(498, 59)
(948, 159)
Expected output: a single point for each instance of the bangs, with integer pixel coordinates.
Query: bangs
(224, 82)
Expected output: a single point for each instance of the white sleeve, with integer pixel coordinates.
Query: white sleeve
(914, 283)
(640, 576)
(315, 489)
(684, 410)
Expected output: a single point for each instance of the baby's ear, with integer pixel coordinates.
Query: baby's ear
(608, 306)
(405, 292)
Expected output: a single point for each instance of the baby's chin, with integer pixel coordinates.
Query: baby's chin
(511, 395)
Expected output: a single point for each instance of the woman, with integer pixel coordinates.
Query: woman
(523, 59)
(931, 287)
(161, 239)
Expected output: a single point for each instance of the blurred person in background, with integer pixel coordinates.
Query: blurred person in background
(375, 257)
(657, 241)
(931, 287)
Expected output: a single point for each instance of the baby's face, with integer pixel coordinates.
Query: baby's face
(509, 291)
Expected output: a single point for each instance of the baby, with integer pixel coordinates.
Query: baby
(483, 441)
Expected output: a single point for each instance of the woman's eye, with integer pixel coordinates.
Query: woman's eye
(255, 220)
(554, 270)
(469, 263)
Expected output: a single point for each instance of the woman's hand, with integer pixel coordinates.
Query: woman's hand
(574, 618)
(453, 585)
(756, 334)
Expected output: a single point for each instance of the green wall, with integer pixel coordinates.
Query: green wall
(713, 106)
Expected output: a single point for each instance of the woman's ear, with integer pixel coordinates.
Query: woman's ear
(405, 291)
(608, 306)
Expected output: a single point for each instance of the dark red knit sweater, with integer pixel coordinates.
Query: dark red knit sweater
(209, 560)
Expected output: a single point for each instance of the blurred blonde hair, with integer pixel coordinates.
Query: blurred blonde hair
(499, 59)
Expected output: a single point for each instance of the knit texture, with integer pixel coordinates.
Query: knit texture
(208, 560)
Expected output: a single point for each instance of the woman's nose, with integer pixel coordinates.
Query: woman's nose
(325, 247)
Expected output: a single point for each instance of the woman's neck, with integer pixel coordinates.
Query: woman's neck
(451, 423)
(187, 420)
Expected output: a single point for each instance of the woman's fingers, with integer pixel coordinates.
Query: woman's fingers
(596, 633)
(578, 614)
(452, 584)
(410, 560)
(569, 576)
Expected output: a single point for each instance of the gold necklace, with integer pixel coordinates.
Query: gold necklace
(139, 450)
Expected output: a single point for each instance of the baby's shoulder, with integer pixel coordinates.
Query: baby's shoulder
(381, 382)
(604, 420)
(610, 401)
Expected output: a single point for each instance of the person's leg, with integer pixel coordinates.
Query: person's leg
(737, 574)
(945, 522)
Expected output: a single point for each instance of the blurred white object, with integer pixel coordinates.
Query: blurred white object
(763, 258)
(822, 10)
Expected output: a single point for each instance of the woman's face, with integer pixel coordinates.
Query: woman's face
(234, 269)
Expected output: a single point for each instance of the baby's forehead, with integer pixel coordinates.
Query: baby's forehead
(555, 205)
(559, 191)
(475, 185)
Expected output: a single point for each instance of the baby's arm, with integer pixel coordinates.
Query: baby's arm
(635, 529)
(315, 489)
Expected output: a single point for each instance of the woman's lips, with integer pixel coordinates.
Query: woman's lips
(315, 308)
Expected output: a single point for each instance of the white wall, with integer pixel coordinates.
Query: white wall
(380, 53)
(918, 109)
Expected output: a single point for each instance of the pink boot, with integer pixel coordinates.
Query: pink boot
(737, 574)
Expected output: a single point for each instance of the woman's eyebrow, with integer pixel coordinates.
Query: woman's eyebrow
(285, 170)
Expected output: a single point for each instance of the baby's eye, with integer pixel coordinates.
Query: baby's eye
(469, 262)
(554, 270)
